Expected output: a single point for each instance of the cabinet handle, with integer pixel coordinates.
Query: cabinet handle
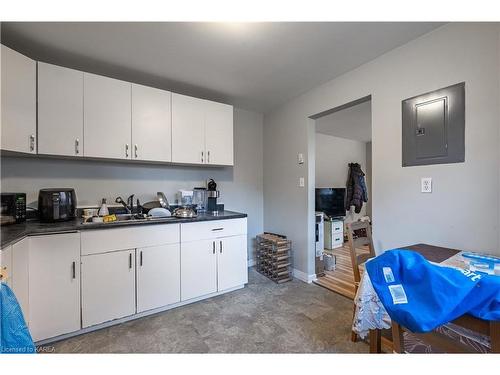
(77, 146)
(32, 142)
(202, 156)
(208, 157)
(135, 150)
(130, 261)
(73, 269)
(217, 229)
(126, 150)
(220, 246)
(140, 258)
(213, 246)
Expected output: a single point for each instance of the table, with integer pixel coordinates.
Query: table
(439, 254)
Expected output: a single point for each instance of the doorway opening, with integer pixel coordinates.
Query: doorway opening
(342, 138)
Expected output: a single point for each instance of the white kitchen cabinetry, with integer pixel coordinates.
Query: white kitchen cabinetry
(108, 286)
(202, 131)
(107, 117)
(6, 265)
(188, 129)
(213, 257)
(18, 114)
(54, 285)
(198, 269)
(232, 262)
(60, 110)
(219, 133)
(158, 276)
(151, 124)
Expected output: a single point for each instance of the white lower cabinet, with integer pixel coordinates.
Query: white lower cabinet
(232, 262)
(54, 285)
(198, 268)
(108, 286)
(158, 276)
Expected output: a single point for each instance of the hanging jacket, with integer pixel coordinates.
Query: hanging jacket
(356, 188)
(14, 334)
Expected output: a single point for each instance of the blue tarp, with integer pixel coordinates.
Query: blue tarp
(422, 296)
(14, 334)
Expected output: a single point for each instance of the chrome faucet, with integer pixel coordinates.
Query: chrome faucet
(129, 205)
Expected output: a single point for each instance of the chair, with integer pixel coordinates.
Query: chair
(439, 340)
(359, 258)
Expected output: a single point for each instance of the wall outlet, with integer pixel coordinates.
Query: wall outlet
(426, 185)
(302, 182)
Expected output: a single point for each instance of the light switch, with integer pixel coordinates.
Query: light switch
(426, 184)
(301, 182)
(300, 158)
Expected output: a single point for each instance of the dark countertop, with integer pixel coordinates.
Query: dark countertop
(10, 234)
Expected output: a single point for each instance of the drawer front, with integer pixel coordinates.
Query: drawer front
(105, 240)
(337, 239)
(213, 229)
(337, 227)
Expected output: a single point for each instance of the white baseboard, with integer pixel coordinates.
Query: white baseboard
(302, 276)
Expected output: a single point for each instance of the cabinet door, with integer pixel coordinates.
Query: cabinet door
(54, 285)
(6, 265)
(151, 124)
(107, 119)
(60, 110)
(18, 124)
(232, 262)
(198, 269)
(219, 133)
(108, 286)
(188, 129)
(158, 276)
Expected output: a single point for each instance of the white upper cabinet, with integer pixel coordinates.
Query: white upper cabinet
(60, 110)
(151, 124)
(18, 120)
(219, 133)
(202, 131)
(107, 117)
(188, 129)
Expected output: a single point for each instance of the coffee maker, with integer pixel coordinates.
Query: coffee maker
(212, 195)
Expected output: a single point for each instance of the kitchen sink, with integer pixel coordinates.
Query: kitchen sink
(134, 217)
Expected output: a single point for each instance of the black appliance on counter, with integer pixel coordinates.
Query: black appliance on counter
(57, 204)
(212, 195)
(13, 208)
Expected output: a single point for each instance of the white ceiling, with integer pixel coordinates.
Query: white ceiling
(352, 123)
(255, 65)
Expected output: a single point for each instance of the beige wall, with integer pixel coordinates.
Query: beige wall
(241, 186)
(463, 210)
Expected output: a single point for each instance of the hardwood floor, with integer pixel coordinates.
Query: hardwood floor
(340, 280)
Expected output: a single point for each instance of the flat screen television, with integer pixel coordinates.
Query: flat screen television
(331, 201)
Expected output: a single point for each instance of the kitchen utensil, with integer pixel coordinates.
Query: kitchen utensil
(163, 200)
(184, 212)
(200, 199)
(146, 207)
(186, 197)
(159, 212)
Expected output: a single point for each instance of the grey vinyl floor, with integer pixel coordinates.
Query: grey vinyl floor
(263, 317)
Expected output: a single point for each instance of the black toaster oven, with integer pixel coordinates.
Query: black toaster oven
(13, 208)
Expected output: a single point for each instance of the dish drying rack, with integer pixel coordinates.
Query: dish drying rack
(274, 257)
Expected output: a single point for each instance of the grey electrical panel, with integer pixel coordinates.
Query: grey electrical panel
(434, 127)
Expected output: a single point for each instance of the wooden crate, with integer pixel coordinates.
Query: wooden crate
(274, 257)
